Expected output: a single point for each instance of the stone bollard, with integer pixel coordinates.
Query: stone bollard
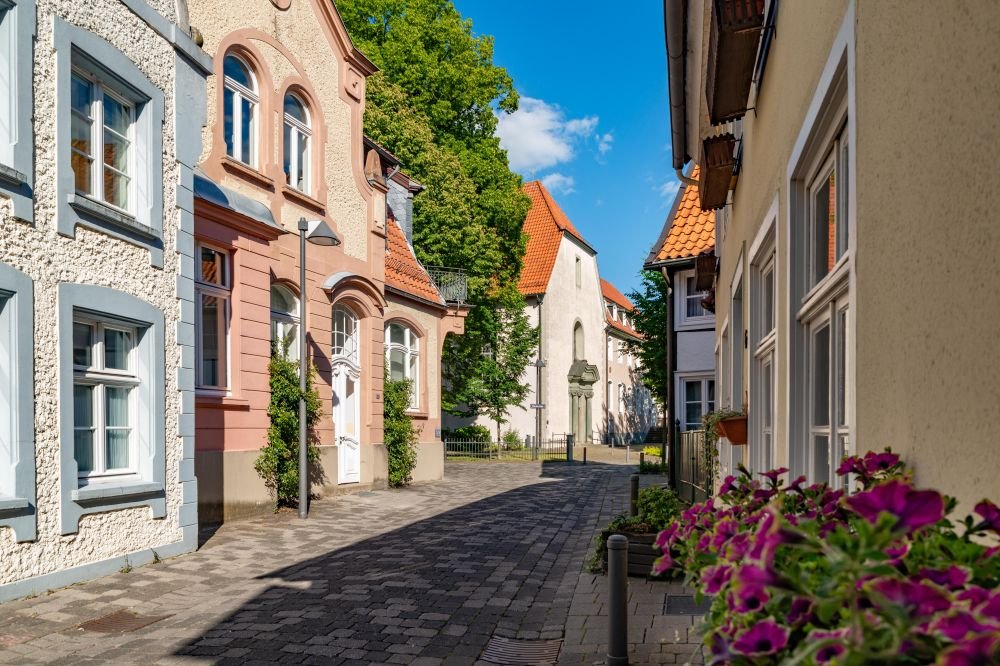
(617, 600)
(633, 496)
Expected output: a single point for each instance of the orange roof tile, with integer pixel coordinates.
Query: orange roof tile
(691, 230)
(611, 293)
(622, 328)
(403, 271)
(544, 226)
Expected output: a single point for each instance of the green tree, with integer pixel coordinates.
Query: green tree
(399, 434)
(434, 105)
(488, 379)
(650, 320)
(278, 462)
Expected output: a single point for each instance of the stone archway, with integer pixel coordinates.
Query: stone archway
(582, 377)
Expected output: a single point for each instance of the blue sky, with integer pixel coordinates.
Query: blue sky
(593, 122)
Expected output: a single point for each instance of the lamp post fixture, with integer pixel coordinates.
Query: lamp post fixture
(318, 233)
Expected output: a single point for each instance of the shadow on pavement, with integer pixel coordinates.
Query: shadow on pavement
(437, 588)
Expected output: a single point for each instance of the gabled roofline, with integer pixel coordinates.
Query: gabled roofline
(651, 261)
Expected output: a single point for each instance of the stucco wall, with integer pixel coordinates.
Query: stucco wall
(928, 304)
(97, 259)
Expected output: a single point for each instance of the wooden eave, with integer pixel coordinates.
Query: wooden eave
(716, 171)
(732, 53)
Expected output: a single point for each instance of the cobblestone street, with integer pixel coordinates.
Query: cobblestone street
(423, 575)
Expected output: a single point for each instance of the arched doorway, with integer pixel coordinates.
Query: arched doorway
(346, 374)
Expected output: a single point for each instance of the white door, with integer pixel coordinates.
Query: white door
(346, 416)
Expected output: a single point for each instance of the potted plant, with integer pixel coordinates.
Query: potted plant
(726, 423)
(658, 507)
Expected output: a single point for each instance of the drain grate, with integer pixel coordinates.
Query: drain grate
(512, 652)
(684, 604)
(121, 622)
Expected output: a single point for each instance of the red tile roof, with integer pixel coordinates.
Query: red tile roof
(622, 328)
(611, 293)
(402, 270)
(544, 226)
(690, 232)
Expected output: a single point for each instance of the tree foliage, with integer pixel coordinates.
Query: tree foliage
(278, 462)
(434, 104)
(400, 435)
(650, 320)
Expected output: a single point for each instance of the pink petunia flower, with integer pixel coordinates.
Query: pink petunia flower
(762, 639)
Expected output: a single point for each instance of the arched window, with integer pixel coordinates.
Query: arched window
(345, 334)
(298, 140)
(402, 356)
(578, 351)
(285, 321)
(240, 103)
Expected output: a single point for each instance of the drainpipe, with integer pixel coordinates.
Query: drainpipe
(538, 378)
(668, 416)
(675, 30)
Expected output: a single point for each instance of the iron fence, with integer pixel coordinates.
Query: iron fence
(557, 447)
(694, 475)
(451, 283)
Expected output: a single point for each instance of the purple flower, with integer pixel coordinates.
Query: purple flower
(727, 485)
(850, 465)
(713, 579)
(956, 626)
(978, 650)
(953, 577)
(990, 513)
(764, 638)
(665, 538)
(991, 608)
(920, 599)
(880, 462)
(752, 575)
(773, 475)
(912, 509)
(750, 598)
(662, 564)
(975, 595)
(897, 551)
(800, 611)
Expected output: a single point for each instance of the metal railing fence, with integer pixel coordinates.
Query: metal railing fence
(693, 474)
(557, 447)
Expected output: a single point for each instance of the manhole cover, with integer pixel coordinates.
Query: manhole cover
(121, 622)
(684, 604)
(512, 652)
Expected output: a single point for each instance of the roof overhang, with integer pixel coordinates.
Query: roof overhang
(674, 28)
(733, 39)
(717, 162)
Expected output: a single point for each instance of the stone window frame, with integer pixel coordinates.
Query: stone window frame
(18, 494)
(147, 487)
(77, 48)
(17, 20)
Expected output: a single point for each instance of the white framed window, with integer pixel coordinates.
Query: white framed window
(762, 369)
(240, 110)
(101, 141)
(697, 396)
(297, 144)
(285, 321)
(17, 31)
(346, 341)
(690, 313)
(821, 271)
(104, 380)
(402, 354)
(622, 403)
(213, 295)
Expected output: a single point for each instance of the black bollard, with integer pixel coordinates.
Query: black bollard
(617, 600)
(633, 502)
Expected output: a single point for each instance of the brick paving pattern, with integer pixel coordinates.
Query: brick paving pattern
(424, 575)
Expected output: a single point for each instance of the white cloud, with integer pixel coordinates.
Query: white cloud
(538, 135)
(604, 142)
(668, 189)
(557, 183)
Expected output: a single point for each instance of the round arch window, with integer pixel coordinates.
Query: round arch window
(284, 321)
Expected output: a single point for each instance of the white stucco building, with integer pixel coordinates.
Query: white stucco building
(97, 149)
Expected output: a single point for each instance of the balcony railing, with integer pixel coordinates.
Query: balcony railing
(451, 283)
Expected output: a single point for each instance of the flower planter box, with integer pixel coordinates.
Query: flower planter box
(641, 554)
(734, 429)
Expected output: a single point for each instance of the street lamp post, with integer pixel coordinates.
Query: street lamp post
(318, 233)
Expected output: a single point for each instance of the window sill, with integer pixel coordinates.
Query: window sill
(303, 199)
(221, 402)
(96, 492)
(93, 208)
(12, 176)
(12, 504)
(417, 414)
(248, 172)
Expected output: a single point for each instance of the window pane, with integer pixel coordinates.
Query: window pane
(80, 95)
(116, 115)
(227, 122)
(295, 109)
(711, 395)
(83, 433)
(842, 229)
(766, 399)
(234, 69)
(83, 341)
(692, 391)
(116, 151)
(397, 364)
(841, 367)
(117, 430)
(247, 131)
(397, 334)
(768, 297)
(212, 341)
(287, 155)
(116, 347)
(303, 165)
(81, 161)
(821, 376)
(115, 189)
(80, 129)
(692, 416)
(821, 458)
(283, 301)
(213, 267)
(824, 210)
